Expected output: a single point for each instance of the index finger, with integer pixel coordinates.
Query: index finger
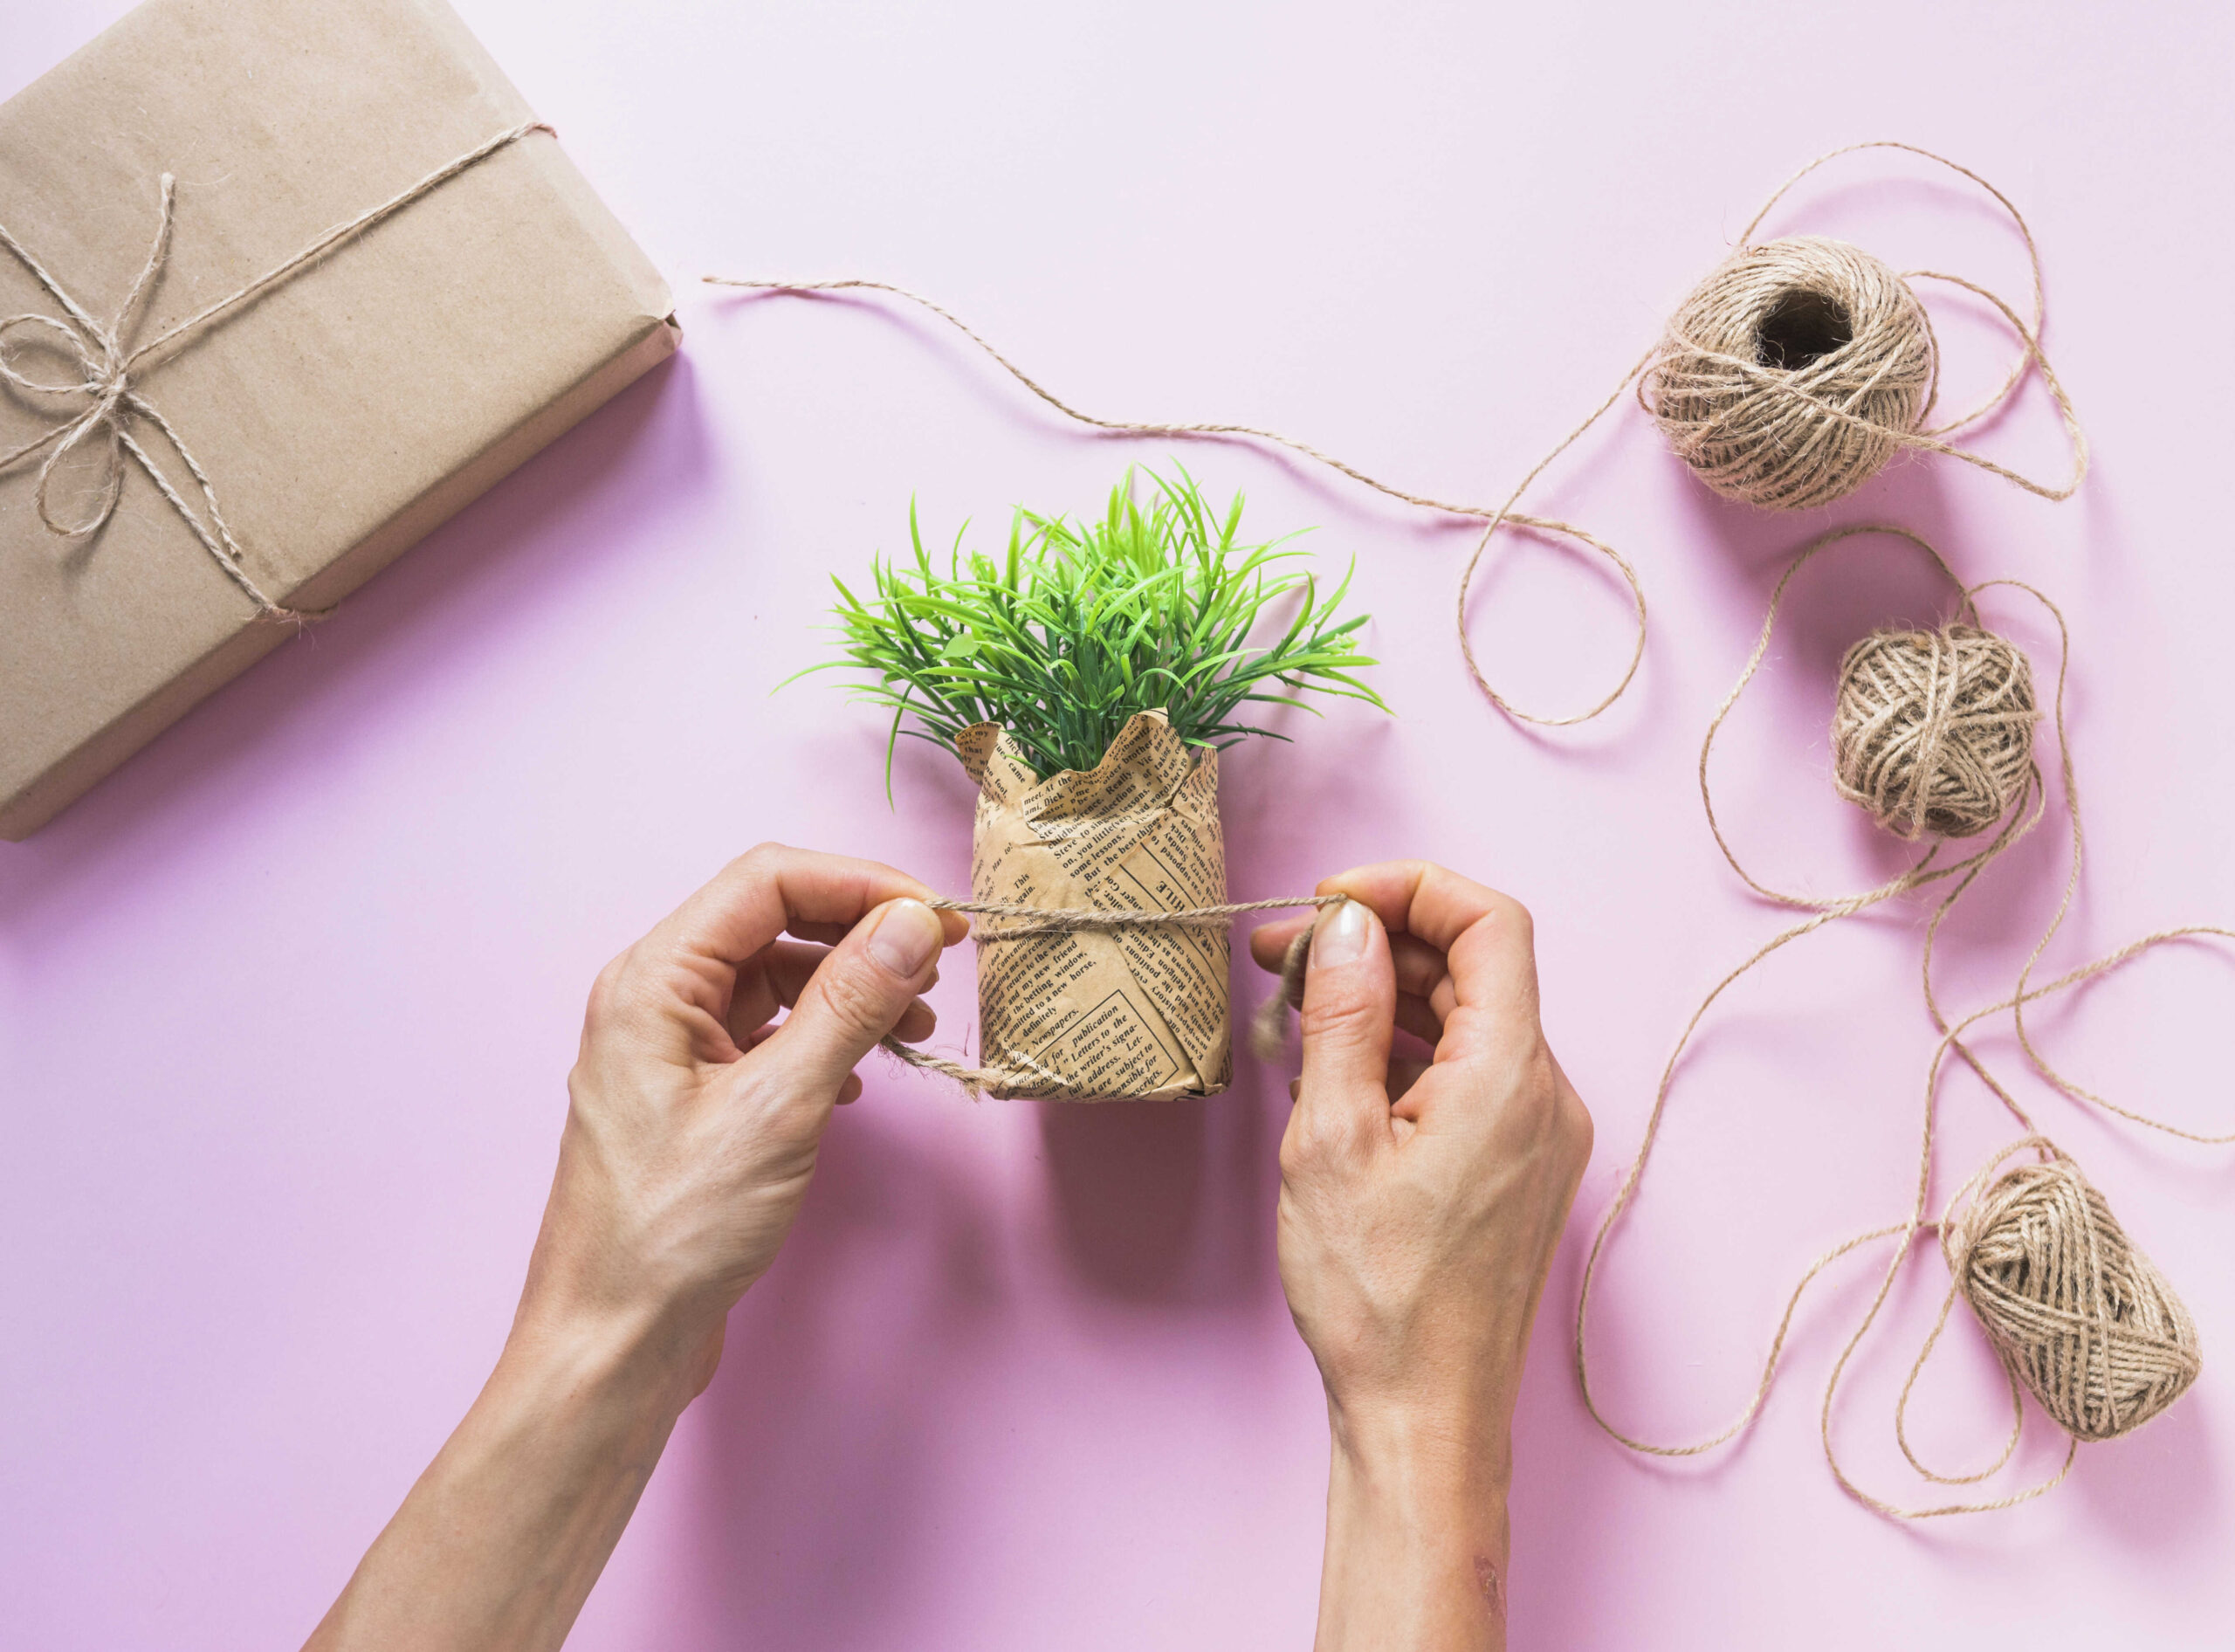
(1487, 936)
(774, 888)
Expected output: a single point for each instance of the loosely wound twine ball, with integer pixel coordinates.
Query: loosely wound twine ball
(1932, 731)
(1789, 376)
(2083, 1318)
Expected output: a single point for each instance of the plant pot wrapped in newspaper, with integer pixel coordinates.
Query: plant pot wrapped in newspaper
(1088, 1013)
(1088, 679)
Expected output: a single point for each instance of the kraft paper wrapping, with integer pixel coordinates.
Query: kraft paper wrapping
(1103, 1015)
(338, 416)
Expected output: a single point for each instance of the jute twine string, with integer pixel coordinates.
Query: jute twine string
(1495, 517)
(2075, 1313)
(1782, 436)
(1020, 921)
(108, 365)
(2085, 1318)
(1268, 1027)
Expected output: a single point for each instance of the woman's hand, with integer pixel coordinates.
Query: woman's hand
(689, 1144)
(694, 1123)
(1421, 1202)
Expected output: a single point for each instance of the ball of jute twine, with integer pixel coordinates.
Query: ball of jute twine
(2076, 1310)
(2052, 1279)
(1800, 366)
(1932, 731)
(1789, 376)
(1769, 418)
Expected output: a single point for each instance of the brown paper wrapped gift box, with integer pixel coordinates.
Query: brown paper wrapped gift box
(339, 413)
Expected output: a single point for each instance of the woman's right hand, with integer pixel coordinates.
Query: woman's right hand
(1421, 1203)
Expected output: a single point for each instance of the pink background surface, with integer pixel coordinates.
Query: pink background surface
(286, 1006)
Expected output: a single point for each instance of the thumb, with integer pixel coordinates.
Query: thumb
(857, 992)
(1350, 1010)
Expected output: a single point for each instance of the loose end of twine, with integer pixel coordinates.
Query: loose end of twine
(1504, 516)
(1268, 1027)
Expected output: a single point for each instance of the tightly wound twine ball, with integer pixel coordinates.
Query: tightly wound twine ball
(2076, 1311)
(1932, 731)
(1800, 366)
(1790, 374)
(2077, 1314)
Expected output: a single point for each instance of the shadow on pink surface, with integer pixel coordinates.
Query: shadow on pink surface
(553, 523)
(1170, 1202)
(2155, 1492)
(819, 1468)
(1128, 1183)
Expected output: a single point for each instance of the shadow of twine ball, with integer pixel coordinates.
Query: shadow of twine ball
(1788, 377)
(2082, 1318)
(1932, 731)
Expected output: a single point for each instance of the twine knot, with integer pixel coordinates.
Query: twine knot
(1932, 731)
(2076, 1312)
(105, 378)
(101, 353)
(105, 359)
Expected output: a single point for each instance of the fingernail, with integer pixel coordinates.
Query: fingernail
(1340, 937)
(905, 937)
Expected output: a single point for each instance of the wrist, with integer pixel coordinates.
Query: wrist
(1415, 1442)
(1417, 1531)
(647, 1360)
(508, 1528)
(1421, 1459)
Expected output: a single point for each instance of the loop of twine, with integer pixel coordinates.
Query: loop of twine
(1494, 517)
(1022, 921)
(107, 364)
(2075, 1313)
(1838, 419)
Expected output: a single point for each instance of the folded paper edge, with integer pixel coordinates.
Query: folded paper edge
(976, 744)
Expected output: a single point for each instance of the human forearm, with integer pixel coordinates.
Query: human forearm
(694, 1120)
(1419, 1207)
(1416, 1536)
(500, 1542)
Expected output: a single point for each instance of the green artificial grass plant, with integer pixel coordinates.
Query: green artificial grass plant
(1079, 626)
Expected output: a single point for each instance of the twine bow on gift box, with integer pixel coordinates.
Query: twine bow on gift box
(107, 363)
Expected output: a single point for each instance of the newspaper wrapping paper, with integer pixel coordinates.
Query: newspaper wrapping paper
(1103, 1015)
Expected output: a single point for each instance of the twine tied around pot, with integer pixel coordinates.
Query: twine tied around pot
(1017, 922)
